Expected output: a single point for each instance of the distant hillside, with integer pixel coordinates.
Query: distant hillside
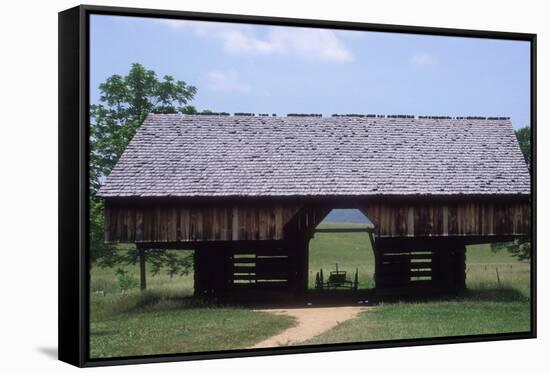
(346, 216)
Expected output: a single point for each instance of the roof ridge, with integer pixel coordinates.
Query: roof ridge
(351, 115)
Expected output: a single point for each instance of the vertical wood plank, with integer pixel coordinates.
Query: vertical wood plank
(164, 222)
(216, 223)
(147, 224)
(227, 223)
(255, 223)
(263, 223)
(491, 219)
(185, 219)
(279, 234)
(193, 224)
(171, 224)
(430, 216)
(499, 219)
(139, 224)
(453, 220)
(245, 224)
(483, 220)
(459, 221)
(272, 229)
(235, 223)
(200, 225)
(410, 221)
(445, 227)
(207, 221)
(157, 224)
(120, 224)
(132, 224)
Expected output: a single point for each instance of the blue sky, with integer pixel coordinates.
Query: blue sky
(269, 69)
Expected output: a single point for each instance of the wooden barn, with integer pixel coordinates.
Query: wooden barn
(247, 192)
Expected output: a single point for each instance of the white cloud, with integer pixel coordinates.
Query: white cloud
(423, 59)
(285, 41)
(228, 81)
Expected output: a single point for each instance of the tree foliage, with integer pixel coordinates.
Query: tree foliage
(520, 248)
(524, 139)
(125, 101)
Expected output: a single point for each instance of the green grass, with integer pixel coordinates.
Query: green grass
(159, 323)
(430, 319)
(492, 304)
(165, 319)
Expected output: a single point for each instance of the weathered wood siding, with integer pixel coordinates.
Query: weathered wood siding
(166, 223)
(458, 219)
(305, 220)
(188, 224)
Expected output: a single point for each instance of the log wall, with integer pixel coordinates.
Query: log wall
(420, 266)
(190, 224)
(166, 223)
(255, 271)
(458, 219)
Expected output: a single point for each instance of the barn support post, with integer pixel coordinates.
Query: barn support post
(302, 273)
(463, 267)
(377, 267)
(460, 260)
(142, 272)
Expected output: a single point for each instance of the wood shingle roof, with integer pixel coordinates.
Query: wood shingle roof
(177, 155)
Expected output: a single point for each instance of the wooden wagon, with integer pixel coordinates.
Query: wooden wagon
(336, 280)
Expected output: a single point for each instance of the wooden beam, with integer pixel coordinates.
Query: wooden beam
(343, 230)
(142, 282)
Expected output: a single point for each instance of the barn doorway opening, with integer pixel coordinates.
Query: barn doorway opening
(341, 255)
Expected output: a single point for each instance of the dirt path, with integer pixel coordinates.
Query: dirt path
(310, 323)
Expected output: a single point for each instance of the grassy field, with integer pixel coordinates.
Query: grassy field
(497, 301)
(165, 319)
(154, 323)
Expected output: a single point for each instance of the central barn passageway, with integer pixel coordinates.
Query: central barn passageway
(342, 246)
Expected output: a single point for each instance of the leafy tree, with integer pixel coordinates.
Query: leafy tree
(520, 248)
(524, 139)
(125, 280)
(125, 102)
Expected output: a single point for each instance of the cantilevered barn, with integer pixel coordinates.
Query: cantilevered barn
(246, 193)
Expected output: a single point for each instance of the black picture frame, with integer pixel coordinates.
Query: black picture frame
(73, 181)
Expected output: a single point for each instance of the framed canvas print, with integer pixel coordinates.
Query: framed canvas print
(235, 186)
